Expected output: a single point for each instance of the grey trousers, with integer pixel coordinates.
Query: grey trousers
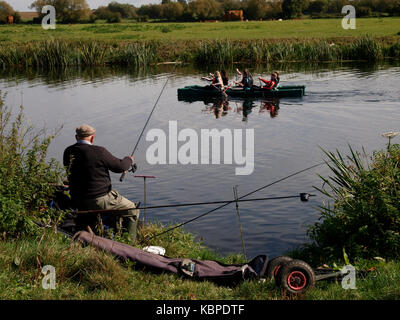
(113, 200)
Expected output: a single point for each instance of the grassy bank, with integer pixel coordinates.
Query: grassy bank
(62, 53)
(87, 273)
(141, 44)
(128, 31)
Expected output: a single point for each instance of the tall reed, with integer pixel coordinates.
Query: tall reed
(136, 54)
(62, 53)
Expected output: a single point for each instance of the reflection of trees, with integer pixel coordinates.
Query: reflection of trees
(58, 76)
(313, 68)
(107, 73)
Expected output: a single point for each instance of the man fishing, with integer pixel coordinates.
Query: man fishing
(88, 169)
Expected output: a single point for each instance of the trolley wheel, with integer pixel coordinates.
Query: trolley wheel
(274, 266)
(296, 277)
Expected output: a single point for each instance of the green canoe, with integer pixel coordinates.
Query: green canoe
(238, 92)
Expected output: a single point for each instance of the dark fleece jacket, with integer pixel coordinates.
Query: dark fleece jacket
(88, 170)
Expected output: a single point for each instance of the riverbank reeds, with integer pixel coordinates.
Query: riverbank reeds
(62, 53)
(226, 52)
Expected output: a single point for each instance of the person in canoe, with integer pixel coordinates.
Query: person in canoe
(269, 84)
(216, 81)
(277, 78)
(225, 77)
(89, 180)
(247, 80)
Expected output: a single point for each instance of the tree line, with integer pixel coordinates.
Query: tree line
(73, 11)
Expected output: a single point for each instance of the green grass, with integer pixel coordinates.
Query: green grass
(299, 29)
(141, 44)
(87, 273)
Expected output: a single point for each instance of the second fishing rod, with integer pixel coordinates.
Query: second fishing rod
(238, 199)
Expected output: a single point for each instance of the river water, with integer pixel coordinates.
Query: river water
(344, 104)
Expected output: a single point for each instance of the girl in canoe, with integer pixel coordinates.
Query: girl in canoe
(216, 81)
(225, 77)
(247, 80)
(269, 84)
(277, 78)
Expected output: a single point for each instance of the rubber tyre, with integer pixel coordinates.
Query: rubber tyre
(275, 265)
(296, 277)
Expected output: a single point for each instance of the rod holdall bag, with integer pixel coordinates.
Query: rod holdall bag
(191, 268)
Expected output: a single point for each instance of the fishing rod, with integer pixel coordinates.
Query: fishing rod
(238, 199)
(302, 196)
(134, 167)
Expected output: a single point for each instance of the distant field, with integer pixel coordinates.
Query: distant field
(308, 28)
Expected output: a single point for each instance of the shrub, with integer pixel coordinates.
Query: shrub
(26, 179)
(115, 17)
(365, 216)
(364, 11)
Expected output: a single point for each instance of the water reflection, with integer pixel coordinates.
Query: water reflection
(220, 107)
(270, 106)
(59, 76)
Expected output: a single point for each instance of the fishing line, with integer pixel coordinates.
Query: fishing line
(145, 125)
(196, 204)
(232, 201)
(218, 202)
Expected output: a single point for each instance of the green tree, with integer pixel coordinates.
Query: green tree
(153, 11)
(318, 6)
(363, 11)
(293, 8)
(335, 6)
(172, 10)
(66, 10)
(5, 11)
(126, 10)
(205, 9)
(256, 9)
(231, 5)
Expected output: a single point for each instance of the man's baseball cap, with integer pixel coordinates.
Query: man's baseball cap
(85, 131)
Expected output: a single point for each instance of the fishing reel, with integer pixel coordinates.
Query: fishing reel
(133, 168)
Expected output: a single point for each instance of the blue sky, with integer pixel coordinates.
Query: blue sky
(23, 5)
